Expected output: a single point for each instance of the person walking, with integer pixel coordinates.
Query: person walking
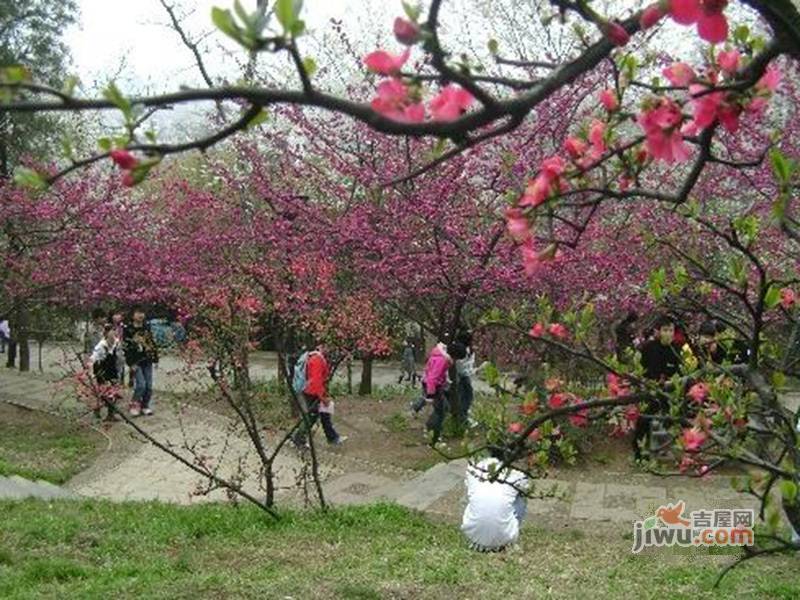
(94, 332)
(435, 384)
(118, 321)
(104, 366)
(311, 376)
(465, 370)
(141, 354)
(5, 334)
(661, 359)
(408, 364)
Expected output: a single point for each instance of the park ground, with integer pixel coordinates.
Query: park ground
(105, 544)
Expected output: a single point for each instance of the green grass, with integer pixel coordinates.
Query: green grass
(70, 549)
(35, 445)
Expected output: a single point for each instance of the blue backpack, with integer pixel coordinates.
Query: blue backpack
(299, 379)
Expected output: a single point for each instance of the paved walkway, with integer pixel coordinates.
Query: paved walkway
(136, 470)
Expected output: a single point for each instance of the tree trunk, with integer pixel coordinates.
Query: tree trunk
(350, 376)
(365, 387)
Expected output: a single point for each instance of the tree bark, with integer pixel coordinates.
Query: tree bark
(365, 387)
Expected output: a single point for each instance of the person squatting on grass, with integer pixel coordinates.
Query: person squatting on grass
(495, 509)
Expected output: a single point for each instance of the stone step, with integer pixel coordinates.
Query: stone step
(438, 481)
(16, 487)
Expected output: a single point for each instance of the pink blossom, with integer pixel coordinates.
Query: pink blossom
(661, 125)
(530, 258)
(558, 330)
(450, 103)
(770, 81)
(728, 115)
(580, 418)
(393, 101)
(128, 179)
(536, 192)
(517, 224)
(679, 74)
(712, 25)
(516, 428)
(729, 61)
(693, 439)
(535, 435)
(597, 132)
(616, 33)
(553, 166)
(651, 15)
(537, 331)
(575, 147)
(788, 298)
(609, 100)
(698, 392)
(705, 105)
(123, 159)
(384, 63)
(558, 400)
(406, 32)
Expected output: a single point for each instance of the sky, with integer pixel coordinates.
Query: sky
(133, 36)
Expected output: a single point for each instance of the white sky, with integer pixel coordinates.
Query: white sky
(113, 34)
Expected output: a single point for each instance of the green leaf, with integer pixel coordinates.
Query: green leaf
(493, 46)
(104, 144)
(150, 135)
(223, 20)
(656, 283)
(70, 83)
(412, 11)
(778, 379)
(741, 33)
(66, 149)
(310, 66)
(650, 522)
(288, 12)
(298, 28)
(491, 374)
(772, 297)
(113, 95)
(262, 116)
(16, 74)
(243, 15)
(29, 178)
(789, 491)
(781, 166)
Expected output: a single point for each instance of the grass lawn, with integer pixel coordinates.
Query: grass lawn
(36, 445)
(92, 549)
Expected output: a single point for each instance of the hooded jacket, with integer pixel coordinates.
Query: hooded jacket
(436, 368)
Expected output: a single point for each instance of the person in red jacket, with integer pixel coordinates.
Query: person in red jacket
(314, 400)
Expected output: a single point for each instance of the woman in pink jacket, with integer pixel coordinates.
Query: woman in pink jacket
(435, 384)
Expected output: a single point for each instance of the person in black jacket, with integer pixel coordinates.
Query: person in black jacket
(661, 360)
(141, 353)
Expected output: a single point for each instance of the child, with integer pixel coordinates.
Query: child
(103, 361)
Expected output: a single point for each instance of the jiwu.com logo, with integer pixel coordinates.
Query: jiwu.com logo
(670, 527)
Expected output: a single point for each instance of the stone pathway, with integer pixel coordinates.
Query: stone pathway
(136, 470)
(16, 487)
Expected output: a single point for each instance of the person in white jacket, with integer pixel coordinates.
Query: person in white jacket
(495, 509)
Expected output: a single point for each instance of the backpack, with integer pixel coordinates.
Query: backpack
(299, 379)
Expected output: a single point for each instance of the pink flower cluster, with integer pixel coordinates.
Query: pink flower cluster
(401, 102)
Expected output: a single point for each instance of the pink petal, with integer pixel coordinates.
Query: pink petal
(713, 28)
(685, 12)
